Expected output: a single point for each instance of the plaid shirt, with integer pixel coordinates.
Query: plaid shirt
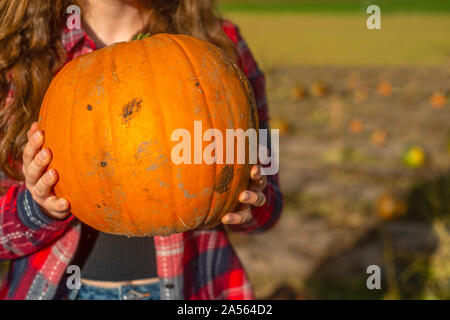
(191, 265)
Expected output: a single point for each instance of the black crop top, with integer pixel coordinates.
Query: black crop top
(106, 257)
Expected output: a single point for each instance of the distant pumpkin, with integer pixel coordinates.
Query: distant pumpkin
(384, 88)
(438, 100)
(318, 89)
(390, 207)
(353, 81)
(298, 93)
(360, 95)
(356, 126)
(378, 137)
(282, 125)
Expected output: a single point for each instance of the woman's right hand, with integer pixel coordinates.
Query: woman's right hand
(40, 184)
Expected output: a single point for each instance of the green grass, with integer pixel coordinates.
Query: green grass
(336, 6)
(291, 39)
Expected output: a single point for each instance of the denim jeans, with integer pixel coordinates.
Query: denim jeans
(123, 292)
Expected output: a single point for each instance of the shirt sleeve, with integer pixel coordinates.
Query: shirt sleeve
(266, 216)
(24, 228)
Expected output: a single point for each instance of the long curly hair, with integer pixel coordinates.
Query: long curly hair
(31, 52)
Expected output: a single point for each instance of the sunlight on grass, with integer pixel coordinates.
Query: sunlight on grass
(335, 6)
(301, 39)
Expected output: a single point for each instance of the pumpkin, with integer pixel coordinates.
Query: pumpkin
(356, 126)
(390, 207)
(109, 116)
(360, 95)
(318, 89)
(378, 137)
(353, 81)
(298, 93)
(283, 126)
(384, 88)
(438, 100)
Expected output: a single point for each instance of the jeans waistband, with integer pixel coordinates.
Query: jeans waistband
(149, 291)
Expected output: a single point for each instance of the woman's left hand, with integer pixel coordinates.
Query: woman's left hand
(248, 198)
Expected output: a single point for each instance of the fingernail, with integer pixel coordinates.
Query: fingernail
(245, 196)
(229, 219)
(51, 173)
(37, 136)
(62, 203)
(43, 154)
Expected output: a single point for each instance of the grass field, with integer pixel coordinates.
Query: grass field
(290, 39)
(336, 6)
(333, 178)
(334, 32)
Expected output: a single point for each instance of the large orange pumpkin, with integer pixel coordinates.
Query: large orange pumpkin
(108, 117)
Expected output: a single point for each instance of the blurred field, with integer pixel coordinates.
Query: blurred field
(365, 148)
(334, 6)
(291, 39)
(341, 153)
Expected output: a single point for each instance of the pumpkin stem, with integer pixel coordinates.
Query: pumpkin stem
(141, 36)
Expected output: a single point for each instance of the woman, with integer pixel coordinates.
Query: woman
(38, 233)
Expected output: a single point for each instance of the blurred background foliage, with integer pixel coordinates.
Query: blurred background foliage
(365, 147)
(331, 31)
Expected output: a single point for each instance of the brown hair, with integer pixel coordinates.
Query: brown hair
(30, 38)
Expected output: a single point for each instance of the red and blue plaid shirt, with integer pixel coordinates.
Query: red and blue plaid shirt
(191, 265)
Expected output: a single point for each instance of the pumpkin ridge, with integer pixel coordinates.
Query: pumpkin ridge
(164, 130)
(225, 171)
(112, 143)
(69, 131)
(113, 140)
(208, 215)
(100, 178)
(230, 199)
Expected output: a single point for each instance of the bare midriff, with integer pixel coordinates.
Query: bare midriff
(114, 284)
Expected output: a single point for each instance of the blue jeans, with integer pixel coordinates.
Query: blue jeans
(123, 292)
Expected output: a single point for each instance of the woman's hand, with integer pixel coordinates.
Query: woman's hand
(248, 198)
(39, 184)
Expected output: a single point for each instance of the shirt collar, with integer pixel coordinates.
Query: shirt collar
(72, 38)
